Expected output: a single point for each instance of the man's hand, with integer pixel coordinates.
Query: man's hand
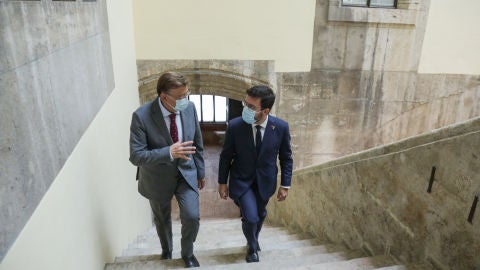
(282, 194)
(181, 150)
(223, 191)
(201, 183)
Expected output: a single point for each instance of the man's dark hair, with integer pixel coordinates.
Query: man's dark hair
(170, 80)
(265, 93)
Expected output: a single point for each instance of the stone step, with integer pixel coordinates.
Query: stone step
(233, 231)
(393, 267)
(330, 263)
(212, 225)
(221, 245)
(207, 228)
(366, 263)
(241, 244)
(293, 251)
(222, 237)
(418, 266)
(282, 259)
(230, 237)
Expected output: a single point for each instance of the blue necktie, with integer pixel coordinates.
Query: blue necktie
(258, 139)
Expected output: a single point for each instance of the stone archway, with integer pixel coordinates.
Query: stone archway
(226, 78)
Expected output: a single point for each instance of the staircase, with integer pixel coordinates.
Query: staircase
(221, 245)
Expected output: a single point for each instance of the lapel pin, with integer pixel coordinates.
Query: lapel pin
(273, 127)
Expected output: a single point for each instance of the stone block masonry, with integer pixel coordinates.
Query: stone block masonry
(55, 74)
(378, 200)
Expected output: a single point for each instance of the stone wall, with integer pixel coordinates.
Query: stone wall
(335, 113)
(364, 89)
(55, 74)
(352, 38)
(378, 200)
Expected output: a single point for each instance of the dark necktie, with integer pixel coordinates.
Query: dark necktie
(173, 128)
(258, 139)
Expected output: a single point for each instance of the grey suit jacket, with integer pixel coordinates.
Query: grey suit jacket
(150, 150)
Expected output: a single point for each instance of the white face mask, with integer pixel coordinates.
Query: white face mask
(181, 104)
(248, 115)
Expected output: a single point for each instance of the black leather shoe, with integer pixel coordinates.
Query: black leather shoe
(166, 255)
(252, 256)
(191, 262)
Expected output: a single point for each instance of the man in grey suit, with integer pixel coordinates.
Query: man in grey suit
(166, 145)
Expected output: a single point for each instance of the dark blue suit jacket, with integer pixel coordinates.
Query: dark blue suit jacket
(239, 163)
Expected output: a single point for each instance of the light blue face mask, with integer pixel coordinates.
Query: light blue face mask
(248, 115)
(181, 104)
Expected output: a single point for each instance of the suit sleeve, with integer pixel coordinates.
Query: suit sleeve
(140, 154)
(198, 143)
(286, 160)
(226, 156)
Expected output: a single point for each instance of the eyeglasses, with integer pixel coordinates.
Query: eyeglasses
(250, 106)
(182, 97)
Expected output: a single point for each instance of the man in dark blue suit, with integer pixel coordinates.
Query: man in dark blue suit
(248, 162)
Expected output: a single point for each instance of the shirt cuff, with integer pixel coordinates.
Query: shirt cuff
(285, 187)
(170, 153)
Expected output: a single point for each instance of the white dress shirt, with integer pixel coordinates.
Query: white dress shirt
(178, 120)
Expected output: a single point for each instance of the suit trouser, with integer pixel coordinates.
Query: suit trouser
(254, 212)
(187, 199)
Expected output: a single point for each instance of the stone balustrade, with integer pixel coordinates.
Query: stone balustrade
(378, 200)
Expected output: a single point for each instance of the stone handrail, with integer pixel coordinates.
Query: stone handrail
(377, 200)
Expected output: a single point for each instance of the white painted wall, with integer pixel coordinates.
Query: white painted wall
(280, 30)
(452, 38)
(92, 210)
